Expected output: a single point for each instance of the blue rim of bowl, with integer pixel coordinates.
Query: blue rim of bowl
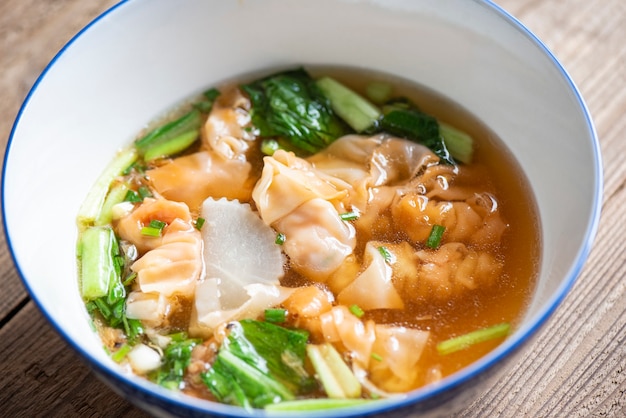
(455, 380)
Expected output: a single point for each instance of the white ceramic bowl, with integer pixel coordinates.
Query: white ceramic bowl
(144, 56)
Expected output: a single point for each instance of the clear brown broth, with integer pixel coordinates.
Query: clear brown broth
(520, 246)
(521, 243)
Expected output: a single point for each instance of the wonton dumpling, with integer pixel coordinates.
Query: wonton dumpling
(450, 271)
(317, 240)
(339, 325)
(193, 178)
(129, 227)
(476, 221)
(373, 288)
(398, 350)
(175, 265)
(227, 129)
(370, 162)
(287, 182)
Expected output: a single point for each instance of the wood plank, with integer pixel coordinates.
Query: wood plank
(49, 379)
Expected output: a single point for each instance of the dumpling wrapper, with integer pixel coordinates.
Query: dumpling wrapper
(209, 311)
(373, 288)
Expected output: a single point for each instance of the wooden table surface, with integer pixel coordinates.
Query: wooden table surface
(575, 366)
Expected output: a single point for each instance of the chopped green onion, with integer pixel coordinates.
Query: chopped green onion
(276, 316)
(155, 223)
(376, 357)
(467, 340)
(357, 311)
(280, 239)
(378, 92)
(314, 404)
(211, 94)
(120, 354)
(206, 105)
(144, 192)
(133, 328)
(199, 223)
(349, 216)
(154, 229)
(131, 277)
(133, 197)
(269, 146)
(149, 231)
(434, 239)
(386, 254)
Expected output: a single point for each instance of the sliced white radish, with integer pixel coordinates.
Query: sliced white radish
(239, 248)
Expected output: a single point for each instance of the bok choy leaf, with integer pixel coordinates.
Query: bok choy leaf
(258, 364)
(290, 105)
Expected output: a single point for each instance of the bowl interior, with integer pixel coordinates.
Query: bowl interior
(144, 56)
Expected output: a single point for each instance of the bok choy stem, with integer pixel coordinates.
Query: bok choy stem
(92, 205)
(356, 110)
(116, 195)
(338, 380)
(459, 144)
(171, 138)
(97, 251)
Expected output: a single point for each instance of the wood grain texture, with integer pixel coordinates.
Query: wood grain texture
(574, 367)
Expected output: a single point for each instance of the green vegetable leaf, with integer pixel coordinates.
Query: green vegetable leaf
(258, 364)
(405, 120)
(176, 358)
(289, 105)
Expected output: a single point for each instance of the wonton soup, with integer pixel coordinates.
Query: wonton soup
(308, 239)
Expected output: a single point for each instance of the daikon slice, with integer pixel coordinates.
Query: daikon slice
(239, 248)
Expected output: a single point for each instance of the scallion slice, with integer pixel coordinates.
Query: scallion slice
(376, 357)
(133, 197)
(276, 315)
(467, 340)
(154, 229)
(386, 254)
(269, 146)
(199, 223)
(349, 216)
(120, 354)
(280, 239)
(356, 311)
(144, 192)
(434, 239)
